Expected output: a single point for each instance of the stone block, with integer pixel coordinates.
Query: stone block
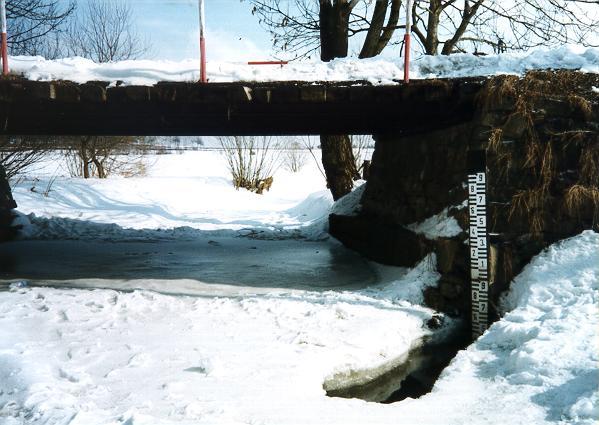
(447, 251)
(93, 92)
(32, 90)
(313, 94)
(168, 92)
(285, 94)
(66, 92)
(207, 94)
(263, 94)
(362, 94)
(338, 94)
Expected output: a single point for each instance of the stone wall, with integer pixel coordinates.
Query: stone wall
(541, 136)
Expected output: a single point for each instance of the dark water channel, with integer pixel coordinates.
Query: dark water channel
(411, 376)
(220, 266)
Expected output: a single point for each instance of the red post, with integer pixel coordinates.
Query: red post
(268, 63)
(203, 77)
(406, 64)
(4, 38)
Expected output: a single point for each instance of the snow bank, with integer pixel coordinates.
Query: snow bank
(102, 357)
(183, 197)
(542, 356)
(376, 71)
(350, 204)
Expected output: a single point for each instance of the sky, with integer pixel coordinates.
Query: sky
(171, 27)
(233, 33)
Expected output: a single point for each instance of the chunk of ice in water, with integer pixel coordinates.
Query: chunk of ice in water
(18, 285)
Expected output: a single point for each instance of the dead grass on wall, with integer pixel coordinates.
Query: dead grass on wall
(543, 149)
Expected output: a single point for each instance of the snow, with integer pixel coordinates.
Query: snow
(350, 203)
(439, 225)
(376, 71)
(103, 357)
(252, 354)
(542, 355)
(185, 196)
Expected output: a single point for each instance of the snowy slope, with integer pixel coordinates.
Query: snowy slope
(540, 362)
(183, 196)
(377, 71)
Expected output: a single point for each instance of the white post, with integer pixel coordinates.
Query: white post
(406, 65)
(203, 78)
(4, 41)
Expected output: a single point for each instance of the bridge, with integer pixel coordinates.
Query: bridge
(244, 108)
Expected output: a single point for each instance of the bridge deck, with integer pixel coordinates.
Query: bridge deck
(168, 108)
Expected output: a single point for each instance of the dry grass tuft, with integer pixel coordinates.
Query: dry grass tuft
(581, 106)
(531, 204)
(578, 197)
(589, 165)
(495, 140)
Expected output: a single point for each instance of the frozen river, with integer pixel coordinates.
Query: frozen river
(223, 266)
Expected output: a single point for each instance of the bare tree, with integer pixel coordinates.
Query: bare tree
(310, 143)
(19, 154)
(99, 156)
(362, 146)
(294, 155)
(251, 160)
(32, 23)
(104, 31)
(302, 27)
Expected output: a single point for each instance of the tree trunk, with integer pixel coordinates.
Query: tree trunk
(431, 45)
(7, 202)
(379, 35)
(334, 29)
(337, 154)
(85, 161)
(99, 168)
(373, 35)
(85, 170)
(391, 24)
(339, 164)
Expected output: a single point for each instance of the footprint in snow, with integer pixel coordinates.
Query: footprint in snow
(198, 369)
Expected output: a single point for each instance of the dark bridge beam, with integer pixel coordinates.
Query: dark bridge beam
(93, 108)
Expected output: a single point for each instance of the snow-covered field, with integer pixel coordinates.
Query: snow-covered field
(182, 192)
(103, 356)
(376, 71)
